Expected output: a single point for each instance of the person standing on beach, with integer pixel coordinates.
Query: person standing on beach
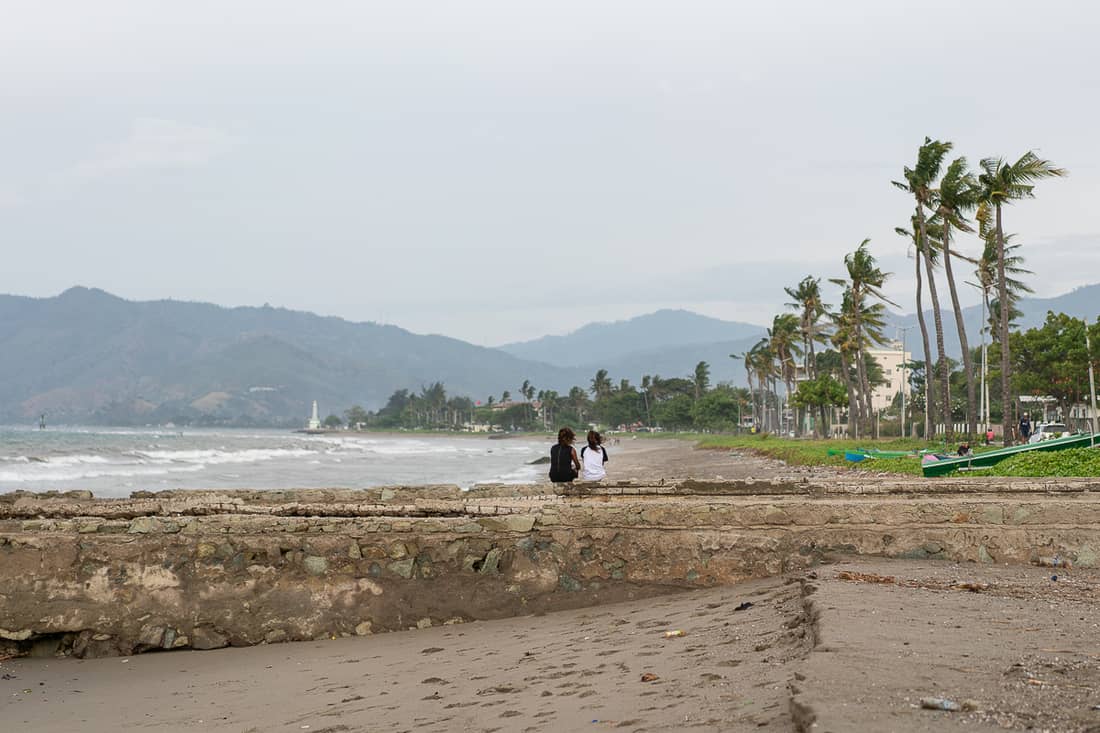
(564, 464)
(593, 456)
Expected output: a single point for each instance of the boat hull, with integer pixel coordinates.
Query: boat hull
(991, 458)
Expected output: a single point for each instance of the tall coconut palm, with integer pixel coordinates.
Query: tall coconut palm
(784, 341)
(865, 281)
(1002, 183)
(955, 198)
(919, 260)
(763, 363)
(806, 298)
(919, 182)
(844, 343)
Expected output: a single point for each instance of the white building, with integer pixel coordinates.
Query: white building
(314, 421)
(890, 358)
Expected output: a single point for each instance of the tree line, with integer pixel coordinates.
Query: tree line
(948, 198)
(675, 403)
(820, 353)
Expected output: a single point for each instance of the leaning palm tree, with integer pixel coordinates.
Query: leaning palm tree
(918, 182)
(806, 298)
(844, 344)
(865, 281)
(1002, 183)
(957, 196)
(784, 340)
(763, 363)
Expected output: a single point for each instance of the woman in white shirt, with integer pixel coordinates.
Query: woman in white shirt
(593, 456)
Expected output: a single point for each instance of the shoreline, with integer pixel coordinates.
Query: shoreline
(824, 642)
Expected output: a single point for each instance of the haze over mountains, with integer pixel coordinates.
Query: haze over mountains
(88, 356)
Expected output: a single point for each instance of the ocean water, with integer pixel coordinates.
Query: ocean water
(113, 462)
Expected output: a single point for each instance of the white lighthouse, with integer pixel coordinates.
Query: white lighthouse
(314, 421)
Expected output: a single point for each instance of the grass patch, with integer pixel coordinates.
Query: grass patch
(816, 452)
(1069, 462)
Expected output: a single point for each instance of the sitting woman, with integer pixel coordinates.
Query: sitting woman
(593, 456)
(564, 464)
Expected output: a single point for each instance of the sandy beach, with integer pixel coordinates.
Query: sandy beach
(852, 644)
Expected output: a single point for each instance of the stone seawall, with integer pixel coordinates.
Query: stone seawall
(208, 569)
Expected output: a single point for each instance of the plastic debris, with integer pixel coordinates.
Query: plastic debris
(649, 677)
(940, 703)
(677, 632)
(744, 605)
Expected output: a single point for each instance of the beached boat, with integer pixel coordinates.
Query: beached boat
(852, 453)
(945, 466)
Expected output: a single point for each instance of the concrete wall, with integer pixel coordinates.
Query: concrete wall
(203, 570)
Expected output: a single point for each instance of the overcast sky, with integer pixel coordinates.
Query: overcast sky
(496, 171)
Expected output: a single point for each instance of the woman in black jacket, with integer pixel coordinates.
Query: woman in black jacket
(564, 464)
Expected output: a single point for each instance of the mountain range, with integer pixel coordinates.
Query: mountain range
(89, 356)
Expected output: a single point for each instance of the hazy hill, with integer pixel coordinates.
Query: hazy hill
(88, 355)
(618, 342)
(1084, 302)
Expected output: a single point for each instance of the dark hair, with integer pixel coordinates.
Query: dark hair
(595, 440)
(566, 436)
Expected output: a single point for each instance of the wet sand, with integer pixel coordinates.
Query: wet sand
(576, 670)
(851, 646)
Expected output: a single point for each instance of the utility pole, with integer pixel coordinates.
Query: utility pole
(904, 376)
(983, 409)
(1092, 387)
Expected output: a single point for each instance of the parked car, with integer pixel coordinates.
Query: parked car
(1048, 430)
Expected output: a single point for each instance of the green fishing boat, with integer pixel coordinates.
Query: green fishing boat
(945, 466)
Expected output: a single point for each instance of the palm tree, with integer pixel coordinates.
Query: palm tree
(865, 281)
(601, 384)
(1002, 183)
(762, 360)
(578, 400)
(957, 195)
(806, 297)
(701, 378)
(528, 392)
(918, 183)
(784, 340)
(918, 258)
(986, 272)
(844, 344)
